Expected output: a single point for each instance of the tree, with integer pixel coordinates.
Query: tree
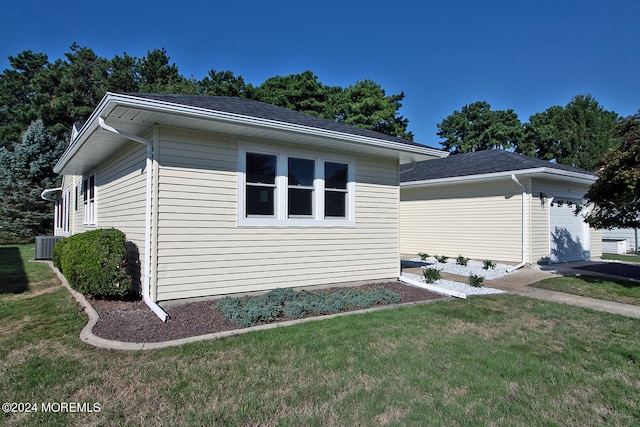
(18, 86)
(158, 76)
(476, 127)
(224, 83)
(301, 92)
(25, 171)
(577, 135)
(366, 105)
(614, 199)
(122, 74)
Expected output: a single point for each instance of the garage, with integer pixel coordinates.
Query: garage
(496, 205)
(569, 235)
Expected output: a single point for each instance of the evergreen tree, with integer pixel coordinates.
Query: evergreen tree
(25, 171)
(476, 127)
(366, 105)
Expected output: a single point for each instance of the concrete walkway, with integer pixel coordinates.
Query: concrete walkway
(518, 281)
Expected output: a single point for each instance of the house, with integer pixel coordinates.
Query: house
(224, 195)
(496, 205)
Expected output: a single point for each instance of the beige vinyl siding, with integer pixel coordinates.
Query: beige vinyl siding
(121, 194)
(595, 242)
(203, 252)
(540, 231)
(477, 220)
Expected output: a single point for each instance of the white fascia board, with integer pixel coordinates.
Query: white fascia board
(110, 101)
(197, 112)
(81, 136)
(559, 174)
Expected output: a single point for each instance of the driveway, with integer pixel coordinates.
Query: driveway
(617, 269)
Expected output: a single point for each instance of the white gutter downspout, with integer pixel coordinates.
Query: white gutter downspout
(524, 224)
(146, 285)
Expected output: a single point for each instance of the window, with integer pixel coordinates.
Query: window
(301, 174)
(89, 200)
(335, 189)
(294, 188)
(261, 184)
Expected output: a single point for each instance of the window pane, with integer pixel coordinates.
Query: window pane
(335, 175)
(335, 204)
(261, 168)
(301, 172)
(300, 202)
(260, 200)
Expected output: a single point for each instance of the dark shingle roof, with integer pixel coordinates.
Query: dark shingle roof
(479, 163)
(252, 108)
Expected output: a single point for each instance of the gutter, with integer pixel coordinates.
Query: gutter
(113, 100)
(50, 194)
(146, 285)
(560, 174)
(524, 223)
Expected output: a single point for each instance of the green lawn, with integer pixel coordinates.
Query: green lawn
(626, 258)
(623, 291)
(500, 360)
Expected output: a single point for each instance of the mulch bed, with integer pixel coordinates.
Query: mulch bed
(133, 321)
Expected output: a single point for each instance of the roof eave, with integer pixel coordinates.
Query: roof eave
(404, 152)
(559, 174)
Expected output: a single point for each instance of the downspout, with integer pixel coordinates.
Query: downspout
(146, 283)
(524, 225)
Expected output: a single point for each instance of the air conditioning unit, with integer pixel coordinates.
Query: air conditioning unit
(44, 246)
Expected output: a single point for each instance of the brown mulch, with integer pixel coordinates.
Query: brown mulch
(133, 321)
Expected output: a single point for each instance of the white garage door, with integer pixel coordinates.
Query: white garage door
(569, 233)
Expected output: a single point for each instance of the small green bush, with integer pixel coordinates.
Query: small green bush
(462, 261)
(95, 263)
(423, 256)
(476, 281)
(442, 258)
(431, 275)
(489, 265)
(249, 311)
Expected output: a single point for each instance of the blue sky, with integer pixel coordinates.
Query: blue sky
(525, 55)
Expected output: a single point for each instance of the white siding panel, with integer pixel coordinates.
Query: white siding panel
(203, 252)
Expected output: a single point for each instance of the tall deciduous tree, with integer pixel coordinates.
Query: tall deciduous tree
(476, 127)
(614, 199)
(25, 171)
(577, 135)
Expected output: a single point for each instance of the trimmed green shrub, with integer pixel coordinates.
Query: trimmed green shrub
(442, 258)
(489, 265)
(423, 256)
(462, 260)
(476, 281)
(431, 275)
(95, 263)
(249, 311)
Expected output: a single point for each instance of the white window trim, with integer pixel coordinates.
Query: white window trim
(90, 220)
(281, 219)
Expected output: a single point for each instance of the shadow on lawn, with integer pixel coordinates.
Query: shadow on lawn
(13, 277)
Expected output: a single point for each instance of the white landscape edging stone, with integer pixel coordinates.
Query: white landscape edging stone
(456, 289)
(448, 287)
